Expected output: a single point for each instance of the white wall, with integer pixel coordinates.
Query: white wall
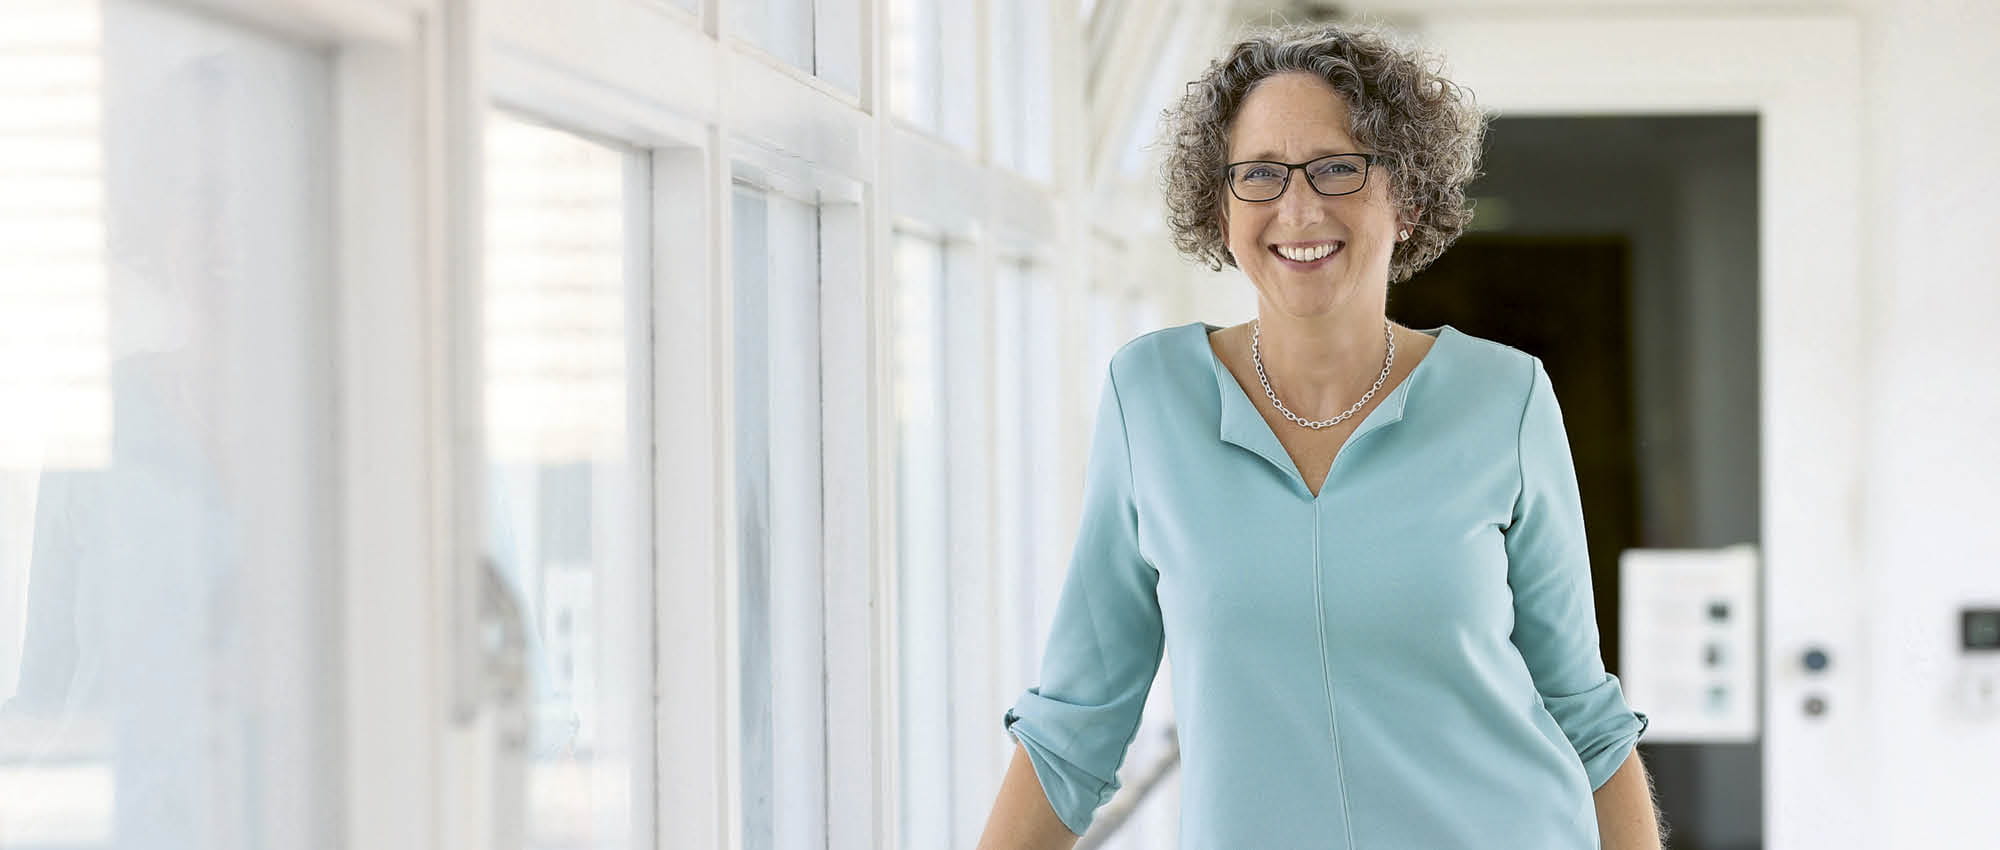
(1930, 254)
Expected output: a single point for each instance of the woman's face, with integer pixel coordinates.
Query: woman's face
(1296, 117)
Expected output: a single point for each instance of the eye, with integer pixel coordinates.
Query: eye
(1336, 167)
(1260, 172)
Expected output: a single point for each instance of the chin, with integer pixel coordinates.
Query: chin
(1306, 300)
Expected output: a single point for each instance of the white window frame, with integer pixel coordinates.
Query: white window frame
(640, 183)
(843, 624)
(657, 76)
(531, 74)
(421, 740)
(413, 741)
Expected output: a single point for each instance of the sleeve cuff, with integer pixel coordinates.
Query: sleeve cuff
(1601, 727)
(1074, 792)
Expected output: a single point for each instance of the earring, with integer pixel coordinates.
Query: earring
(1405, 235)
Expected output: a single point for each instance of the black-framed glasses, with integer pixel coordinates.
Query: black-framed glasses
(1259, 180)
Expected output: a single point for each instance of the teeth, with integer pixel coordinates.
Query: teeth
(1307, 255)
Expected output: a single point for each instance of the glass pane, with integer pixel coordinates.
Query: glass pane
(165, 458)
(783, 27)
(1105, 323)
(923, 588)
(913, 70)
(1050, 472)
(1019, 86)
(1013, 508)
(967, 561)
(1144, 317)
(837, 42)
(931, 64)
(957, 62)
(1142, 124)
(566, 422)
(780, 586)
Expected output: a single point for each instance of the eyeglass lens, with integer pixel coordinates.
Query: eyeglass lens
(1333, 175)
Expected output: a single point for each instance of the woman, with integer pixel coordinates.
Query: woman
(1362, 543)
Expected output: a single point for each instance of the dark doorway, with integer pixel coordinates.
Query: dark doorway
(1623, 252)
(1501, 287)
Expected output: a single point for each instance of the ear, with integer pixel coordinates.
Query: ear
(1409, 220)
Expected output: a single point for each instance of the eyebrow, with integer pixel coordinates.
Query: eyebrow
(1272, 156)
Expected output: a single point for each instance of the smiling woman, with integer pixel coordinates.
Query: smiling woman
(1425, 126)
(1381, 622)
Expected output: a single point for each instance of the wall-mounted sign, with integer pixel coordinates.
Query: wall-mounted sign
(1688, 642)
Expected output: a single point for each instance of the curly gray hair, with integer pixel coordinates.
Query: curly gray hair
(1430, 128)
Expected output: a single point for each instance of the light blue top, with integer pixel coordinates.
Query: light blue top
(1408, 661)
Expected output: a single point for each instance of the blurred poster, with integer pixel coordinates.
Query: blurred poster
(1688, 642)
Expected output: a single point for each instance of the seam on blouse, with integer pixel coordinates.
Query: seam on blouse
(1520, 432)
(1124, 433)
(1326, 676)
(1131, 473)
(1132, 506)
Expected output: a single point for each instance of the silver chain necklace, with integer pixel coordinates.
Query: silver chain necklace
(1257, 358)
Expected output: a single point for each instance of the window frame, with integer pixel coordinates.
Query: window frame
(414, 78)
(411, 735)
(641, 189)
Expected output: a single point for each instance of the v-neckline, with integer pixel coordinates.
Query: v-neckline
(1244, 425)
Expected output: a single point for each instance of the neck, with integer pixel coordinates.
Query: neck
(1319, 365)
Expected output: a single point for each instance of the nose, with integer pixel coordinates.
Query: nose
(1301, 205)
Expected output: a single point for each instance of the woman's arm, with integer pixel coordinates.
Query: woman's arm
(1626, 819)
(1022, 818)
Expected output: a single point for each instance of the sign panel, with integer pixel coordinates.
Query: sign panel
(1688, 642)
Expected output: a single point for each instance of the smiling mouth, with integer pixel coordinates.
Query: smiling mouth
(1311, 258)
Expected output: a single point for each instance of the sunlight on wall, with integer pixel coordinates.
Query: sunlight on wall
(563, 491)
(54, 359)
(555, 308)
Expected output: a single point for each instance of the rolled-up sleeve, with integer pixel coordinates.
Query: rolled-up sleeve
(1548, 569)
(1105, 644)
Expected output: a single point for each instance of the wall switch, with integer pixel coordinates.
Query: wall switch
(1979, 692)
(1979, 630)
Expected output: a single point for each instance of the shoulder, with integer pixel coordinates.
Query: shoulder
(1156, 355)
(1490, 359)
(1488, 375)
